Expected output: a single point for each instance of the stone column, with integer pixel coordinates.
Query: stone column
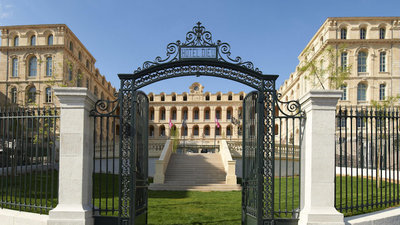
(318, 159)
(76, 158)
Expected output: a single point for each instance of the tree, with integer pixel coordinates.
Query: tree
(334, 73)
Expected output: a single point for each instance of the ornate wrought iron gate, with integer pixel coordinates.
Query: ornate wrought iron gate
(197, 56)
(251, 204)
(120, 179)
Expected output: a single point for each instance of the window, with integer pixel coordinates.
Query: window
(162, 131)
(87, 83)
(206, 131)
(79, 78)
(362, 62)
(50, 39)
(217, 130)
(14, 67)
(362, 92)
(173, 114)
(70, 73)
(33, 40)
(241, 97)
(343, 33)
(32, 66)
(87, 64)
(151, 131)
(162, 114)
(95, 91)
(382, 62)
(240, 130)
(185, 114)
(240, 115)
(185, 97)
(151, 113)
(14, 95)
(343, 60)
(207, 114)
(16, 41)
(363, 33)
(344, 95)
(218, 113)
(151, 98)
(382, 32)
(184, 131)
(162, 98)
(196, 113)
(360, 120)
(79, 55)
(71, 46)
(218, 97)
(32, 95)
(207, 97)
(229, 114)
(382, 88)
(195, 131)
(341, 122)
(48, 95)
(230, 97)
(49, 66)
(173, 97)
(228, 131)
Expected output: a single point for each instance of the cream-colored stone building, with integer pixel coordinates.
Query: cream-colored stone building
(200, 110)
(368, 46)
(35, 58)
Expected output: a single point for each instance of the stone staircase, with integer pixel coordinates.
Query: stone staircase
(195, 171)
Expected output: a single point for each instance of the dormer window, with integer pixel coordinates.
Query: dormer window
(382, 32)
(343, 33)
(16, 41)
(218, 97)
(185, 98)
(162, 98)
(363, 33)
(33, 40)
(207, 97)
(50, 40)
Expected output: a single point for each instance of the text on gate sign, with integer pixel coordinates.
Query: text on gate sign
(199, 52)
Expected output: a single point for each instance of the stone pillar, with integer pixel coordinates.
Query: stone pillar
(76, 158)
(318, 159)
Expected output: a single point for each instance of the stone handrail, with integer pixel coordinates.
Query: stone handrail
(229, 164)
(162, 163)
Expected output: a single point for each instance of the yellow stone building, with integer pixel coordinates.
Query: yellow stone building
(194, 116)
(36, 58)
(368, 46)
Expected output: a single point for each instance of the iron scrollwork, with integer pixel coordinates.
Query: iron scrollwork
(198, 37)
(293, 107)
(105, 107)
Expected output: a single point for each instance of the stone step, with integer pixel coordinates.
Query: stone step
(208, 187)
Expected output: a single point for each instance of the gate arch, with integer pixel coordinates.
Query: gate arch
(198, 56)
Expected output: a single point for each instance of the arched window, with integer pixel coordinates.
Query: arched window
(162, 131)
(382, 33)
(362, 92)
(79, 78)
(87, 83)
(343, 60)
(218, 97)
(87, 64)
(15, 67)
(162, 113)
(151, 97)
(71, 46)
(207, 113)
(217, 130)
(174, 97)
(33, 40)
(382, 92)
(31, 98)
(241, 97)
(16, 41)
(185, 113)
(195, 130)
(363, 33)
(229, 113)
(218, 113)
(151, 113)
(207, 130)
(195, 113)
(362, 62)
(70, 72)
(50, 39)
(173, 113)
(344, 89)
(184, 130)
(79, 56)
(95, 91)
(162, 97)
(343, 33)
(229, 131)
(48, 95)
(14, 95)
(382, 62)
(49, 66)
(207, 97)
(32, 66)
(230, 97)
(184, 97)
(151, 131)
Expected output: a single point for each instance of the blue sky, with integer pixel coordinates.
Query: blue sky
(121, 35)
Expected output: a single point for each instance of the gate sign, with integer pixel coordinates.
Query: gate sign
(198, 52)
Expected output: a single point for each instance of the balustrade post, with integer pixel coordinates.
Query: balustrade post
(318, 159)
(76, 158)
